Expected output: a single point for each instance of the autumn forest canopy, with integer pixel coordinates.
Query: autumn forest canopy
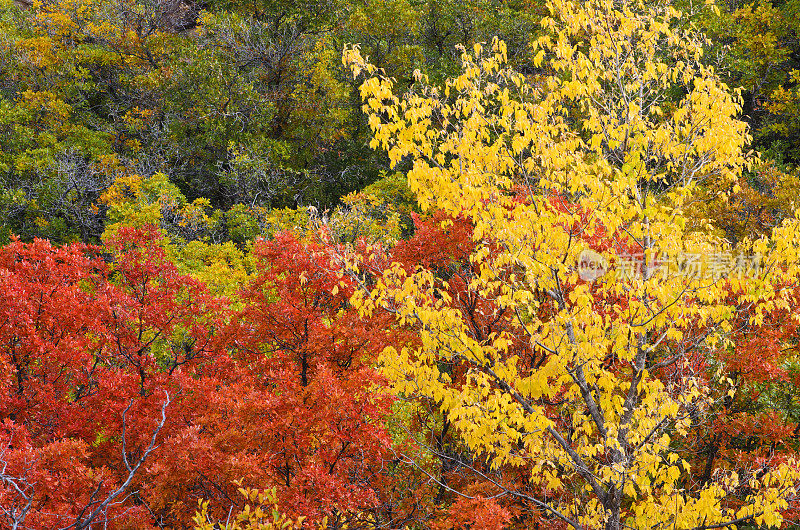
(424, 264)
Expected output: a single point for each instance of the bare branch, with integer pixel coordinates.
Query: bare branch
(84, 523)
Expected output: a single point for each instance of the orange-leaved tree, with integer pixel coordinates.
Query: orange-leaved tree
(129, 392)
(92, 357)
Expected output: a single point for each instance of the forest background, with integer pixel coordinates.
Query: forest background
(200, 311)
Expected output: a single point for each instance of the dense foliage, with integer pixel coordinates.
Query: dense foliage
(323, 264)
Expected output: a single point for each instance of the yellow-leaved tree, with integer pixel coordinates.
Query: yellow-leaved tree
(604, 306)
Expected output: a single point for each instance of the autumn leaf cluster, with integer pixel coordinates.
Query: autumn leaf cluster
(318, 264)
